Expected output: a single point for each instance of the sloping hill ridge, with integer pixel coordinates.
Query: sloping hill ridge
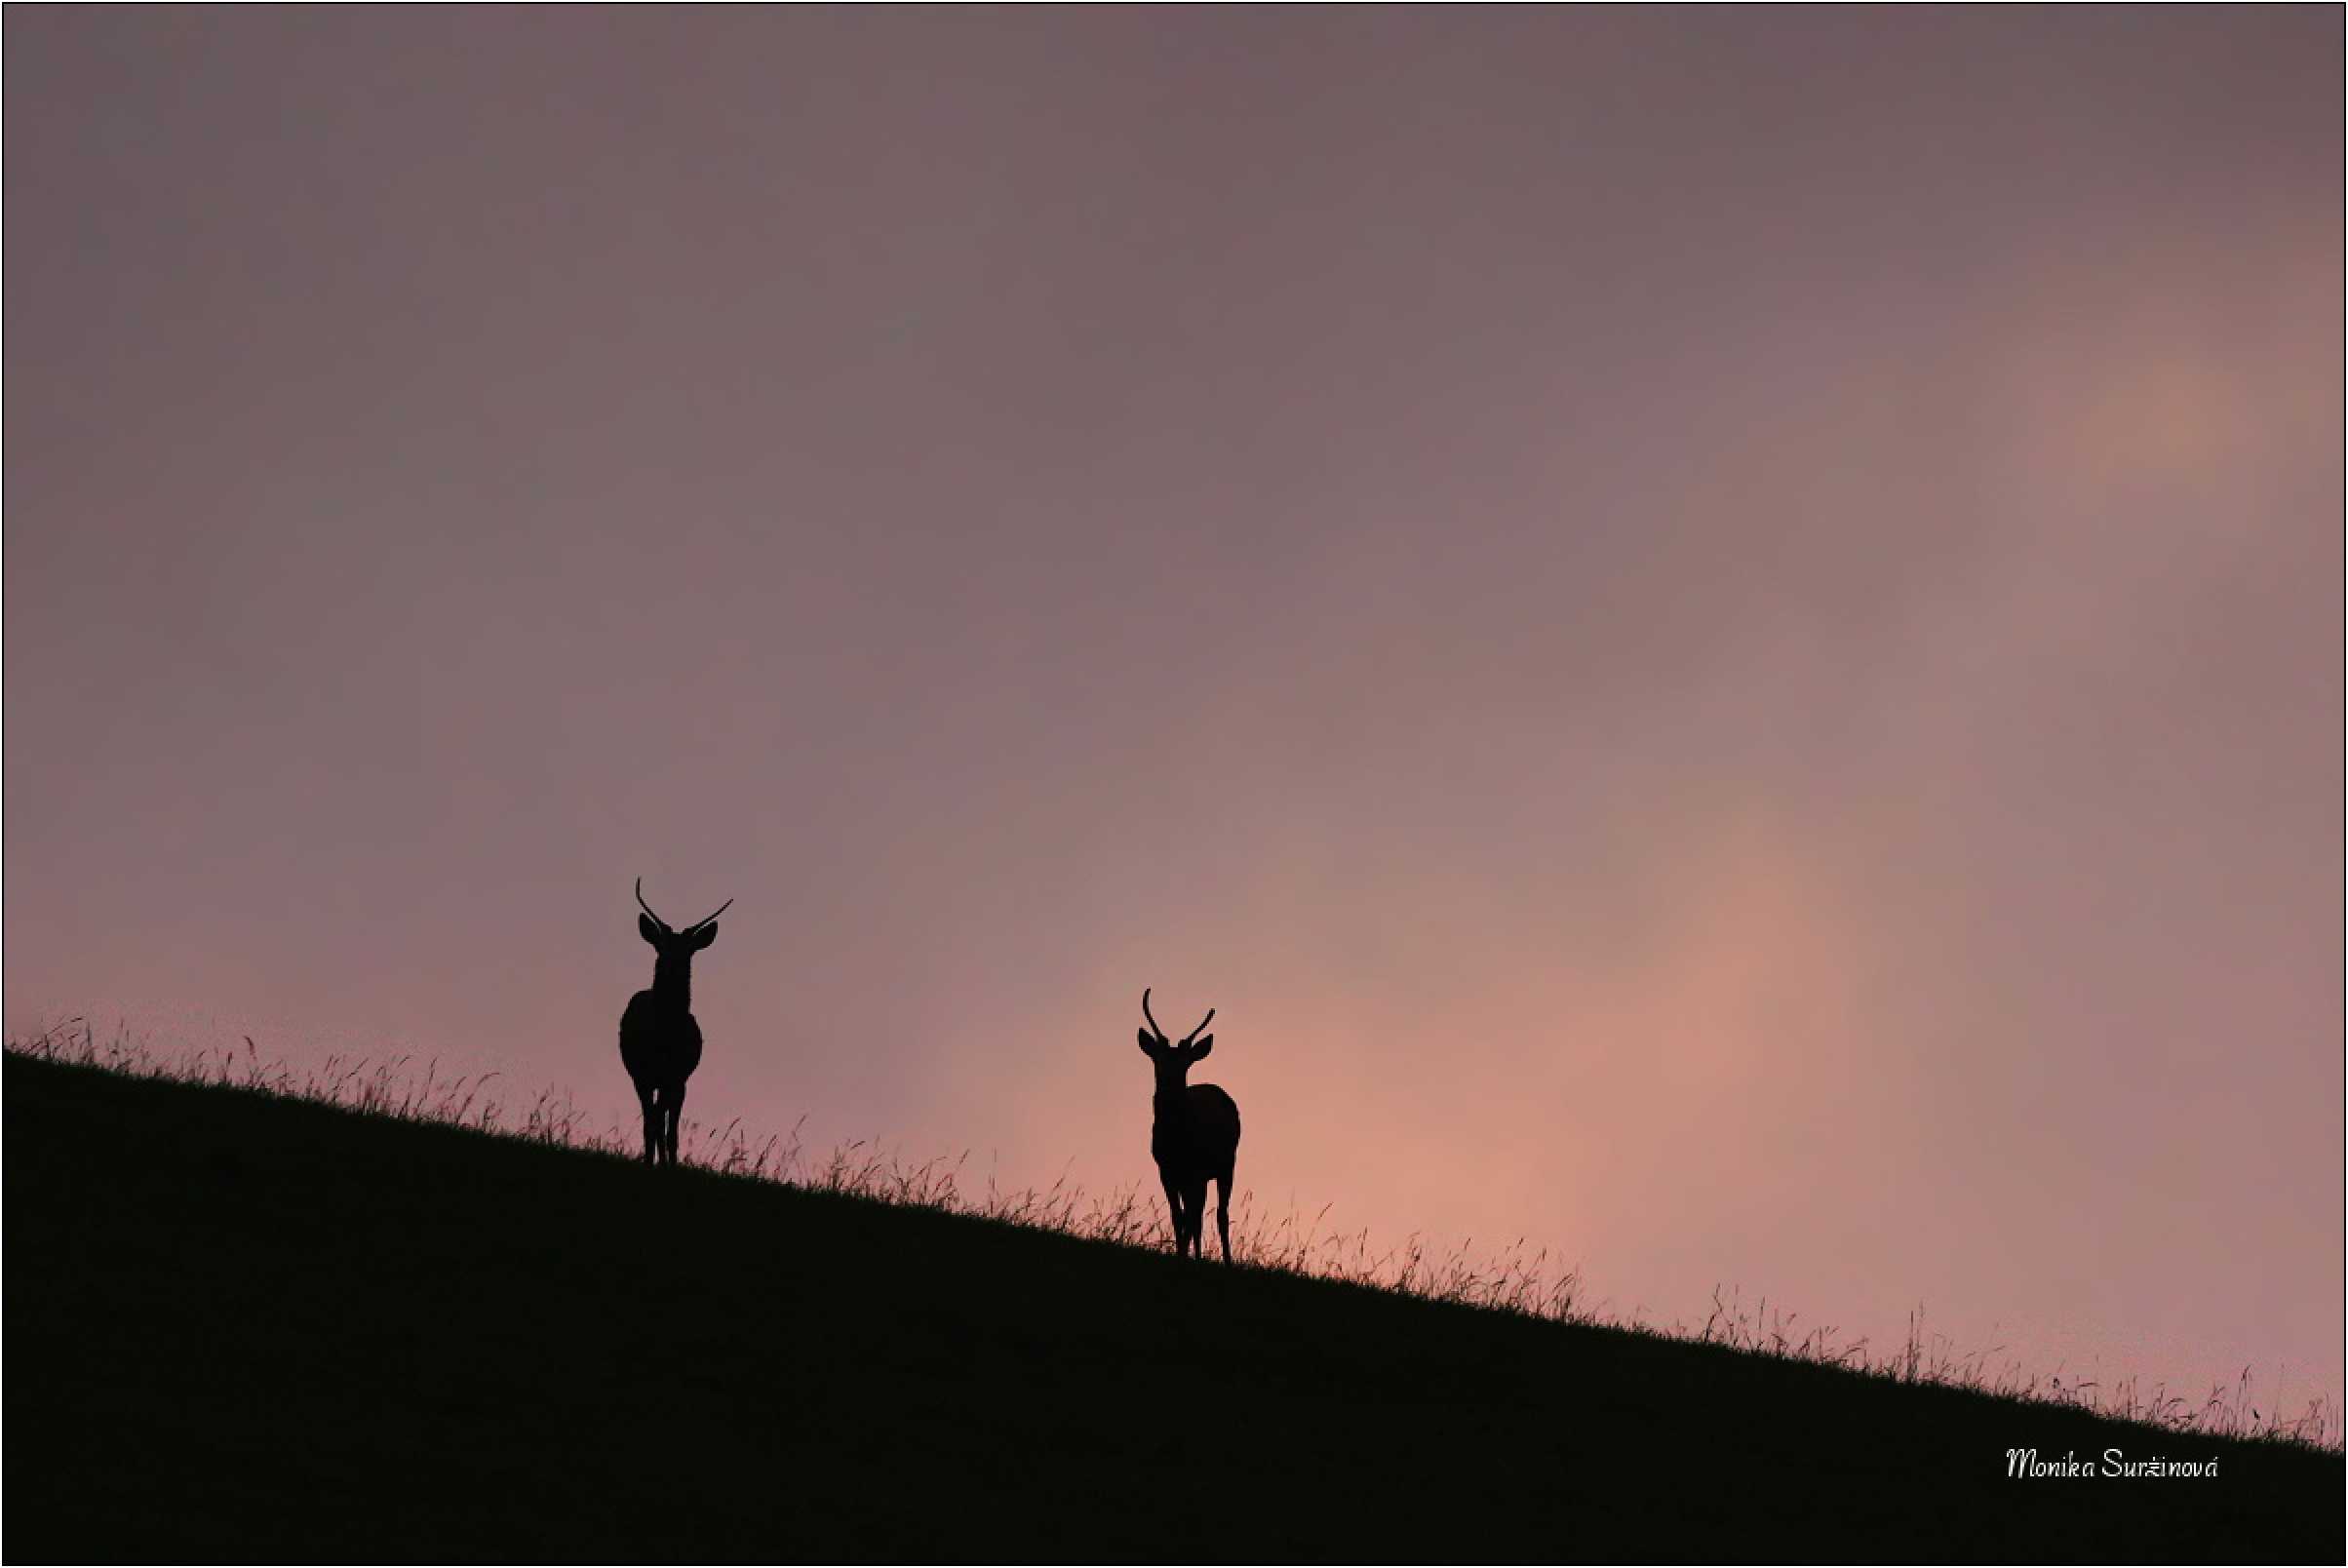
(247, 1329)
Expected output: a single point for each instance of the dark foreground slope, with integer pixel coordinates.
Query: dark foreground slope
(243, 1329)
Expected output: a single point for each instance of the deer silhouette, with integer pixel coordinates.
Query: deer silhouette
(659, 1042)
(1194, 1137)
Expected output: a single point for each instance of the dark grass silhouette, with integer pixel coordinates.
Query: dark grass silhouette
(1193, 1134)
(659, 1043)
(246, 1327)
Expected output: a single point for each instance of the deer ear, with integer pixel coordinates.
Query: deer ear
(1148, 1042)
(648, 930)
(704, 938)
(1202, 1047)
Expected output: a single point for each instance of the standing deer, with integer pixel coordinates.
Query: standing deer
(1194, 1137)
(659, 1042)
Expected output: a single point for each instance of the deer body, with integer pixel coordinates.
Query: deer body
(1194, 1136)
(659, 1043)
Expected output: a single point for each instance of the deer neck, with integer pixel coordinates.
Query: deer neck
(673, 982)
(1169, 1102)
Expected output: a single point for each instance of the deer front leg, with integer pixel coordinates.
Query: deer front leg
(1195, 1210)
(672, 1112)
(644, 1097)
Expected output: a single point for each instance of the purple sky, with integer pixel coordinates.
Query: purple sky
(1718, 635)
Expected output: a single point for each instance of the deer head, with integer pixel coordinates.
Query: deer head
(1173, 1059)
(671, 944)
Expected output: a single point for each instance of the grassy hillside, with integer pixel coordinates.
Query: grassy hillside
(244, 1328)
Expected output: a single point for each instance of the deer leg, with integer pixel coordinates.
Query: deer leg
(1223, 1212)
(645, 1097)
(672, 1105)
(1197, 1197)
(1174, 1213)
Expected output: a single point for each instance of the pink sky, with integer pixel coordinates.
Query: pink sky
(1718, 635)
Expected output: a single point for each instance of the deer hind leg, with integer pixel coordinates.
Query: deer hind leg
(672, 1111)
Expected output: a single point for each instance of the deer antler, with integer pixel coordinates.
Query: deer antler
(1161, 1034)
(711, 916)
(665, 925)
